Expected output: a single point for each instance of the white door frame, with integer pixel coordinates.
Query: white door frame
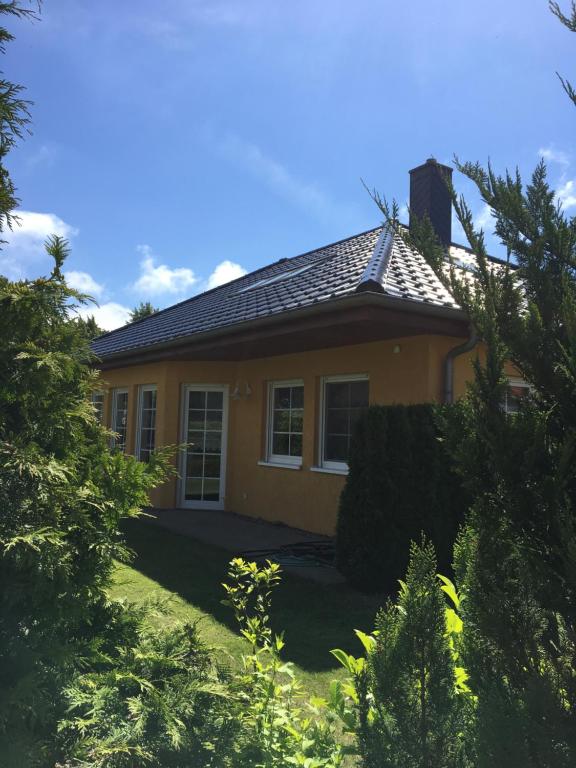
(186, 388)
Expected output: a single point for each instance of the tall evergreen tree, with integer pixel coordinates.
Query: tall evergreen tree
(89, 326)
(516, 559)
(144, 309)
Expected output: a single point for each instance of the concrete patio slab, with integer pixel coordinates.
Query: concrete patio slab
(237, 534)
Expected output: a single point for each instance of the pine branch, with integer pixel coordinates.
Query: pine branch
(570, 23)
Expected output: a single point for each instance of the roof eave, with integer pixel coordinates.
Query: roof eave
(365, 298)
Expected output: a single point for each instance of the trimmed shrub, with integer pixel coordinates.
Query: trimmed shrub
(400, 484)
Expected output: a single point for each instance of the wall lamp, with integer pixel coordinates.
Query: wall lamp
(238, 392)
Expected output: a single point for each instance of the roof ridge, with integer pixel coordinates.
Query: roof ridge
(237, 279)
(374, 276)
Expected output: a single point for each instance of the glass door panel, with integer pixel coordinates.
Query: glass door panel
(204, 433)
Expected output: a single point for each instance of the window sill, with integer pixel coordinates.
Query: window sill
(278, 465)
(327, 471)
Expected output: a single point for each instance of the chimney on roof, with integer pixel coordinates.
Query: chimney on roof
(429, 195)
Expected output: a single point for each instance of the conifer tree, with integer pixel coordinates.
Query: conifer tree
(516, 559)
(411, 712)
(144, 309)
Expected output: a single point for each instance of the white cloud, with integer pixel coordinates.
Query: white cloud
(552, 155)
(566, 194)
(25, 244)
(33, 228)
(566, 188)
(84, 283)
(276, 176)
(108, 316)
(156, 280)
(224, 272)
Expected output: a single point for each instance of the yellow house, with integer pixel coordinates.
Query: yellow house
(264, 377)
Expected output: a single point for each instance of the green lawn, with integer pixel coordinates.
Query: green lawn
(189, 574)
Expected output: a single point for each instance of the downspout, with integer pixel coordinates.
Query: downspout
(452, 354)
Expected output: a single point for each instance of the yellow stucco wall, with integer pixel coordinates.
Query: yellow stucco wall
(407, 370)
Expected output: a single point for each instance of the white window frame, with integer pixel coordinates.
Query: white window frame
(514, 382)
(141, 389)
(278, 458)
(115, 392)
(193, 504)
(335, 466)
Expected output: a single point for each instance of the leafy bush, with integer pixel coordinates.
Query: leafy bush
(62, 495)
(400, 483)
(156, 700)
(278, 726)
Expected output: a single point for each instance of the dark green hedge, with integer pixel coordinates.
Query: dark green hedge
(400, 484)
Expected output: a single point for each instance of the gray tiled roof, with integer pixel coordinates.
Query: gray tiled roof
(371, 261)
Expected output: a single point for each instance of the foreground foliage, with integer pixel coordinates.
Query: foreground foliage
(279, 725)
(515, 563)
(157, 699)
(409, 697)
(62, 495)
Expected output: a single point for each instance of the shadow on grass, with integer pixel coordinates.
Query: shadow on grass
(314, 618)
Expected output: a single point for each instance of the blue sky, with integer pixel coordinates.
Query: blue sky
(179, 143)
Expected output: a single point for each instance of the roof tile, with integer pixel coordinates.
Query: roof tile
(372, 260)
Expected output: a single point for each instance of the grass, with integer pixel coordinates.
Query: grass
(189, 574)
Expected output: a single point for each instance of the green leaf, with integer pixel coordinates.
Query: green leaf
(368, 641)
(449, 588)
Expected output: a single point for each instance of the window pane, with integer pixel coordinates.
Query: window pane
(211, 489)
(295, 445)
(337, 421)
(196, 441)
(297, 397)
(281, 421)
(119, 419)
(147, 442)
(345, 402)
(195, 464)
(211, 466)
(98, 403)
(146, 423)
(197, 400)
(149, 398)
(214, 400)
(359, 394)
(336, 448)
(196, 419)
(193, 488)
(296, 420)
(282, 397)
(514, 395)
(213, 442)
(285, 437)
(213, 419)
(337, 394)
(280, 444)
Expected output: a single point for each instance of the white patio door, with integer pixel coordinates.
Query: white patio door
(203, 464)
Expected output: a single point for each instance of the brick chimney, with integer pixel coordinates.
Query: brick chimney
(429, 195)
